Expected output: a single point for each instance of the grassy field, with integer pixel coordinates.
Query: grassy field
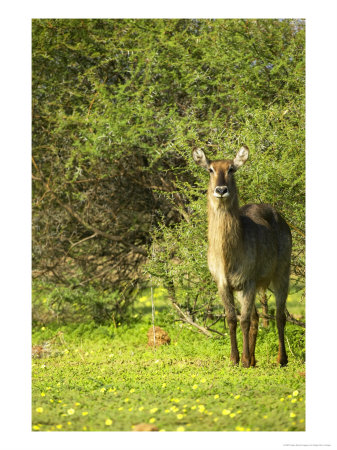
(106, 378)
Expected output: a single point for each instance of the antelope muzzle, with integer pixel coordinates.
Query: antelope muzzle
(221, 192)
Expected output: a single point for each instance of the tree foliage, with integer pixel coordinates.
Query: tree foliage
(118, 106)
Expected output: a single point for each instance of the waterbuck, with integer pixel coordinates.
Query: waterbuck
(249, 249)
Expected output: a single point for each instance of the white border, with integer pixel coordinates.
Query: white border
(16, 218)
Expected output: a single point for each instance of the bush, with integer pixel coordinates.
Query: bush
(118, 106)
(65, 305)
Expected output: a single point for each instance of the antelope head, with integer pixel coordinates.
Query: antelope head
(222, 183)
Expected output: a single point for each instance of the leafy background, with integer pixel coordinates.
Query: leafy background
(118, 107)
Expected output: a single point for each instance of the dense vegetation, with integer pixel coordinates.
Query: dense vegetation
(118, 106)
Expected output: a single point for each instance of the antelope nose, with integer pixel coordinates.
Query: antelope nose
(221, 190)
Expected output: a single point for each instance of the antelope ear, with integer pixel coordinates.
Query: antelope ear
(200, 158)
(241, 157)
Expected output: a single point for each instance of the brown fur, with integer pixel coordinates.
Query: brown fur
(249, 248)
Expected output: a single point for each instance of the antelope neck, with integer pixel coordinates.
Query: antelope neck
(224, 228)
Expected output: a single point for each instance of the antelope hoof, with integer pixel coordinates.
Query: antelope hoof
(282, 360)
(245, 362)
(253, 361)
(235, 359)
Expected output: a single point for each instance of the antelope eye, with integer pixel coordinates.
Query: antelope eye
(230, 170)
(211, 170)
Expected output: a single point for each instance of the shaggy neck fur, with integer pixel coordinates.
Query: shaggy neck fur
(224, 231)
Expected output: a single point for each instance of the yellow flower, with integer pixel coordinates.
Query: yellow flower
(163, 385)
(84, 428)
(167, 411)
(289, 396)
(130, 409)
(153, 410)
(215, 419)
(201, 408)
(180, 416)
(292, 415)
(84, 413)
(108, 422)
(121, 408)
(163, 428)
(232, 415)
(152, 420)
(193, 407)
(294, 400)
(103, 389)
(39, 410)
(236, 397)
(132, 390)
(282, 399)
(193, 376)
(141, 408)
(43, 328)
(216, 396)
(295, 393)
(203, 380)
(180, 429)
(70, 411)
(238, 428)
(43, 394)
(69, 423)
(195, 386)
(126, 400)
(265, 417)
(51, 400)
(35, 427)
(301, 420)
(59, 426)
(225, 412)
(77, 404)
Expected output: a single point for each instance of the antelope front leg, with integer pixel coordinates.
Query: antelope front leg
(247, 299)
(254, 326)
(226, 295)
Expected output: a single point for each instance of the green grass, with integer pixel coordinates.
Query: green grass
(106, 378)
